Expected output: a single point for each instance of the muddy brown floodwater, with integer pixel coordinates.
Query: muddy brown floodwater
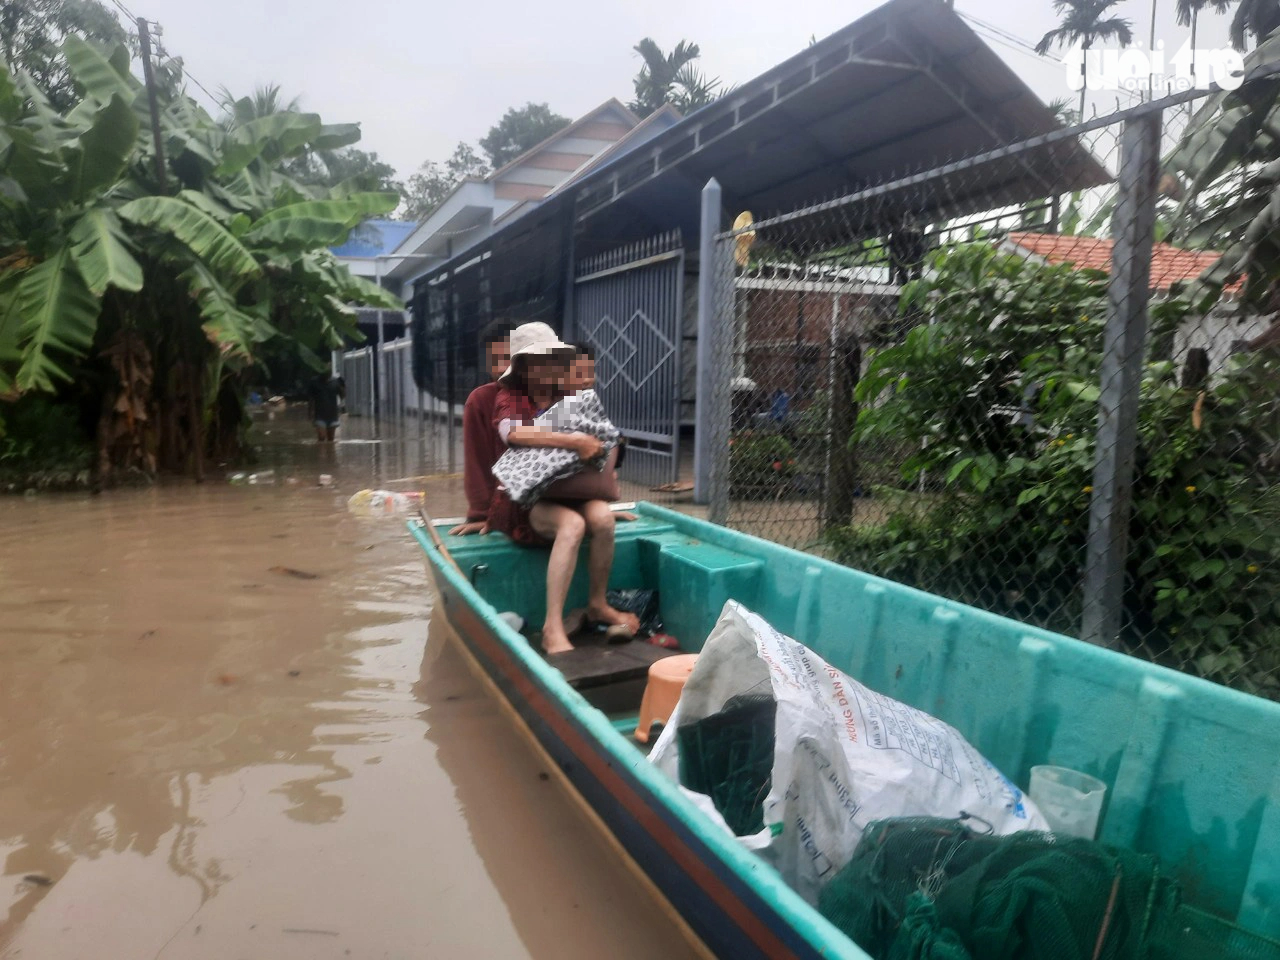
(202, 756)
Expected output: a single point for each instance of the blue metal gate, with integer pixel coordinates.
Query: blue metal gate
(628, 305)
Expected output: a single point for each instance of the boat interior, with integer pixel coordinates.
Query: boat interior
(1190, 766)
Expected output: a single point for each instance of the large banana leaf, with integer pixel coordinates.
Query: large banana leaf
(186, 127)
(300, 232)
(99, 155)
(49, 128)
(271, 137)
(34, 167)
(101, 252)
(347, 211)
(335, 135)
(96, 73)
(207, 204)
(59, 316)
(235, 330)
(203, 235)
(321, 266)
(10, 99)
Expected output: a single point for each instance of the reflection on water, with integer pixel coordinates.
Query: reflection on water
(211, 758)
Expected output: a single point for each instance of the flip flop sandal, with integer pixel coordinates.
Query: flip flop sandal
(664, 640)
(614, 633)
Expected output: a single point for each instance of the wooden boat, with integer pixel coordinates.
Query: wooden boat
(1191, 766)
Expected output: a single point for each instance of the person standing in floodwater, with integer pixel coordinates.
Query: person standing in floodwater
(326, 395)
(481, 445)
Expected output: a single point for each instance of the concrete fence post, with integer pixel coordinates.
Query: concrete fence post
(706, 406)
(1133, 229)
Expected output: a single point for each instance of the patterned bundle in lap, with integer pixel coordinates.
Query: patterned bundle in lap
(527, 472)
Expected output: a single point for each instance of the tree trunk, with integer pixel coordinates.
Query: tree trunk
(1084, 77)
(195, 413)
(842, 487)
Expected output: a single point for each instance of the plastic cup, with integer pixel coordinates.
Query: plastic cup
(1070, 800)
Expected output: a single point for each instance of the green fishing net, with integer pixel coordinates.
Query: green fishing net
(729, 757)
(926, 889)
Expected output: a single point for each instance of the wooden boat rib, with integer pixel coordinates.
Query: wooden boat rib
(1174, 749)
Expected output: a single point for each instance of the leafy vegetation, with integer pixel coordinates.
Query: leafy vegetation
(520, 129)
(433, 181)
(671, 78)
(148, 297)
(997, 395)
(32, 33)
(1086, 22)
(760, 463)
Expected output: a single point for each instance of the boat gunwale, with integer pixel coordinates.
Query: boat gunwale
(1112, 671)
(758, 877)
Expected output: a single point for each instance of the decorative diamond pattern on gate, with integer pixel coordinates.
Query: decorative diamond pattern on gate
(613, 352)
(628, 304)
(616, 349)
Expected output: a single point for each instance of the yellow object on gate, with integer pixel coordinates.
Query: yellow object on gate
(742, 242)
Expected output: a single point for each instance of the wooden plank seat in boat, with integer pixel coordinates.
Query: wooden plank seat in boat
(595, 663)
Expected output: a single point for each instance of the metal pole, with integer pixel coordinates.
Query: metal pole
(378, 365)
(1123, 341)
(704, 399)
(450, 426)
(144, 42)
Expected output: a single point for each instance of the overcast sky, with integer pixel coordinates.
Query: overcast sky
(419, 77)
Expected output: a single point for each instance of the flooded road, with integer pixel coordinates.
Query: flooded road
(203, 755)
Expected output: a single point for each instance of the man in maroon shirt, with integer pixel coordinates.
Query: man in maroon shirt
(481, 445)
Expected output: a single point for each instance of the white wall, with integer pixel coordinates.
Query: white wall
(1216, 332)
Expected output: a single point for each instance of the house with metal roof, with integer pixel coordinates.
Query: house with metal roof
(1201, 343)
(478, 206)
(872, 113)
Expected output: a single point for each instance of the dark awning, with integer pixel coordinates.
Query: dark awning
(907, 87)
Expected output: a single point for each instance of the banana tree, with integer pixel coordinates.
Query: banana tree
(162, 296)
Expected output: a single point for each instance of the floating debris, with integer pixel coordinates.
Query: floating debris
(290, 571)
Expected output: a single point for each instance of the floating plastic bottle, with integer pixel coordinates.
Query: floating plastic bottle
(375, 503)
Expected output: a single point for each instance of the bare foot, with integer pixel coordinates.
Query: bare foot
(626, 516)
(555, 640)
(603, 613)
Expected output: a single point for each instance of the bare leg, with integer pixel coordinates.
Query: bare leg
(600, 522)
(319, 434)
(329, 432)
(565, 528)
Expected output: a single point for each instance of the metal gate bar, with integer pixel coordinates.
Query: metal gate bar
(628, 305)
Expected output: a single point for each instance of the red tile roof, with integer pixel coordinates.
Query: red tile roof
(1169, 264)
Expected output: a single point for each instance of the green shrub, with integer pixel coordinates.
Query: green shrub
(1002, 415)
(760, 463)
(42, 444)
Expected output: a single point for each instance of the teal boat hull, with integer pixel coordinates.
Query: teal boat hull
(1192, 768)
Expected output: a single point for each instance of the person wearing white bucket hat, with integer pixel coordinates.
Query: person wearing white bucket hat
(535, 340)
(536, 379)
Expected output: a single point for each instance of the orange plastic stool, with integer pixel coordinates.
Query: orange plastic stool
(662, 691)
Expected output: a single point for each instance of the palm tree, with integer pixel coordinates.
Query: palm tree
(1085, 22)
(671, 78)
(263, 102)
(1253, 17)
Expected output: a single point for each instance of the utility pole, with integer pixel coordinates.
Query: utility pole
(144, 41)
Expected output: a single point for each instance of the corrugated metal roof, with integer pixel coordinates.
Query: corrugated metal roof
(903, 89)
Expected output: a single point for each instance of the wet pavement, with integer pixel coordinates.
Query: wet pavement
(205, 755)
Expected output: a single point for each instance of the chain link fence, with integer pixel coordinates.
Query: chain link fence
(1057, 405)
